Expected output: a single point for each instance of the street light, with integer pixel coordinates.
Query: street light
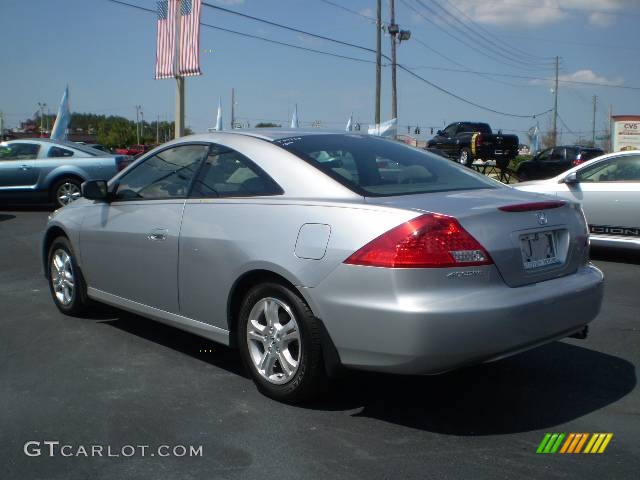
(41, 106)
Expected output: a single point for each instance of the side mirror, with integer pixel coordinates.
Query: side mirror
(571, 179)
(95, 190)
(440, 133)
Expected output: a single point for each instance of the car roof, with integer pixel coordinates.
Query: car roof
(270, 134)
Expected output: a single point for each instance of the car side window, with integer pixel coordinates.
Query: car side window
(56, 152)
(557, 154)
(450, 131)
(621, 169)
(167, 174)
(544, 155)
(228, 173)
(19, 151)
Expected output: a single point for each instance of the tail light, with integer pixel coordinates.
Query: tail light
(428, 241)
(528, 207)
(577, 162)
(122, 162)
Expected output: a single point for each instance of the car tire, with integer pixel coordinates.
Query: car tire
(465, 157)
(280, 343)
(66, 282)
(65, 191)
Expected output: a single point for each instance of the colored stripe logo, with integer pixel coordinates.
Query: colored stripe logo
(574, 443)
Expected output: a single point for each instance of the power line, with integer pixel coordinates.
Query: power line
(465, 69)
(489, 44)
(561, 8)
(256, 37)
(489, 53)
(286, 27)
(402, 67)
(437, 87)
(354, 12)
(527, 77)
(488, 33)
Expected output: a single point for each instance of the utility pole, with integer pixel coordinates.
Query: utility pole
(138, 107)
(393, 30)
(141, 126)
(41, 106)
(378, 59)
(610, 140)
(593, 125)
(179, 115)
(233, 104)
(1, 126)
(158, 129)
(555, 106)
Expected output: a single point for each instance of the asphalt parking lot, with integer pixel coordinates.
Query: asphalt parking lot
(118, 379)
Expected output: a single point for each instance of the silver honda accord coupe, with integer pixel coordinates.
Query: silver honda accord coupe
(313, 251)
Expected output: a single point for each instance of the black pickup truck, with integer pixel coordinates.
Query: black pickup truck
(468, 141)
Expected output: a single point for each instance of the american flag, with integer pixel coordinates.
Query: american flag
(189, 54)
(165, 40)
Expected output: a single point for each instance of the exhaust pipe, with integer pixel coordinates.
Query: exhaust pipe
(581, 334)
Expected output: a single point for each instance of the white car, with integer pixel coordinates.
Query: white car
(608, 188)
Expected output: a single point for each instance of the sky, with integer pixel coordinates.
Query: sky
(106, 53)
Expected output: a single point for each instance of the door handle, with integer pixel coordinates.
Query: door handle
(25, 167)
(158, 234)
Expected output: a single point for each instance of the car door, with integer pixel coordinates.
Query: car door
(129, 246)
(18, 165)
(220, 219)
(609, 191)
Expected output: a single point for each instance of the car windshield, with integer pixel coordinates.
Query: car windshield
(372, 166)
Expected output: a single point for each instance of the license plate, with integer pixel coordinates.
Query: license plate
(538, 250)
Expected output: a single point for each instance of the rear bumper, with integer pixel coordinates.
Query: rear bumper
(394, 320)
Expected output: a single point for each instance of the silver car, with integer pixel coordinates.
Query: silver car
(608, 188)
(311, 251)
(39, 169)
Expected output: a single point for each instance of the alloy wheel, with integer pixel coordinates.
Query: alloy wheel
(62, 278)
(67, 193)
(273, 338)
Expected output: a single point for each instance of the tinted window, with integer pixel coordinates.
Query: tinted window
(227, 173)
(621, 169)
(475, 127)
(589, 154)
(60, 152)
(557, 154)
(544, 155)
(167, 174)
(19, 151)
(450, 131)
(373, 166)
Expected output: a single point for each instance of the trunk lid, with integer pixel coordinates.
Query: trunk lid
(514, 239)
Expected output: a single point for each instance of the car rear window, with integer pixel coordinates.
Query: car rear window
(373, 166)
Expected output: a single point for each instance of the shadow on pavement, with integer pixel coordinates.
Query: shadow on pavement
(179, 340)
(26, 208)
(539, 389)
(6, 217)
(618, 255)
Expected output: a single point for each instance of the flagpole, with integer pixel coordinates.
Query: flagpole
(179, 115)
